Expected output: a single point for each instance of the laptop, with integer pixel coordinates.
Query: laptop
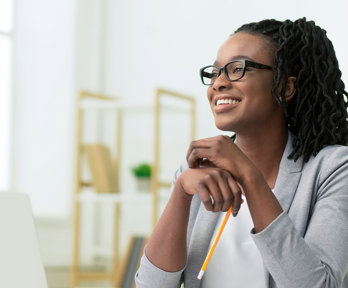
(20, 260)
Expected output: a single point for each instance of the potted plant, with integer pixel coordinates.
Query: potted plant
(142, 173)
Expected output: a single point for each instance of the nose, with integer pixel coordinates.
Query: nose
(221, 82)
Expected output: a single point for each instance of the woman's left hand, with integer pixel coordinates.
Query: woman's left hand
(221, 152)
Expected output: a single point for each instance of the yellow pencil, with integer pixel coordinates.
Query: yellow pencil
(212, 248)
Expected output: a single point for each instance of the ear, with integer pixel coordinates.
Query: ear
(290, 88)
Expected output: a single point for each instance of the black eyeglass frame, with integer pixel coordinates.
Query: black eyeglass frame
(246, 64)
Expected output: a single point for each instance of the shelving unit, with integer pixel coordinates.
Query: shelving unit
(112, 103)
(156, 182)
(117, 198)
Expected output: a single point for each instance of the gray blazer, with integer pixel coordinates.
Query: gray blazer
(306, 246)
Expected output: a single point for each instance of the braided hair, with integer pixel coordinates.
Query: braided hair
(317, 114)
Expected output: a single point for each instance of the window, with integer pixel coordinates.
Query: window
(5, 89)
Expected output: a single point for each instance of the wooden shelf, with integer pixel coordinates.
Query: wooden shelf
(85, 193)
(133, 198)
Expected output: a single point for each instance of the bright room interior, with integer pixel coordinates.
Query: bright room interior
(78, 115)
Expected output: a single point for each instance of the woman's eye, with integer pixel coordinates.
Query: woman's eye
(235, 68)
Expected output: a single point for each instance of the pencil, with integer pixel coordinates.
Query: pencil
(212, 248)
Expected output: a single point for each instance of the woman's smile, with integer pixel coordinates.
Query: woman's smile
(225, 103)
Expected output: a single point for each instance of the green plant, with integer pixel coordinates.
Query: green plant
(143, 170)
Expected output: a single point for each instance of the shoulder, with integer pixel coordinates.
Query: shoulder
(330, 166)
(330, 157)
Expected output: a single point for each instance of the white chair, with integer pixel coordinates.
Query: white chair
(20, 260)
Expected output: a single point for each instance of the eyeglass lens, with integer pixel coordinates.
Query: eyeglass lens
(234, 71)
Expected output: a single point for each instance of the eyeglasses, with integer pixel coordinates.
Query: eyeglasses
(233, 71)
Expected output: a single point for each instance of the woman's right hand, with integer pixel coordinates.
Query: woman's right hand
(215, 187)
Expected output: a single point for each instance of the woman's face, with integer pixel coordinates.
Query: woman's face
(253, 106)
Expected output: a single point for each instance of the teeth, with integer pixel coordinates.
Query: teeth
(226, 101)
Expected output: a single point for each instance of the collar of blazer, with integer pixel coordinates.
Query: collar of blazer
(288, 176)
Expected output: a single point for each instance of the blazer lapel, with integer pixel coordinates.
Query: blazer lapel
(200, 239)
(288, 177)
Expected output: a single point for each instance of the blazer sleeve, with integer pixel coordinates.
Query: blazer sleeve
(150, 276)
(319, 258)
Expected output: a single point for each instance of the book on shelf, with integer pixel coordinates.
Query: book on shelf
(103, 172)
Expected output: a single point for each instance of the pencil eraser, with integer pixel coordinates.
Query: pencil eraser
(200, 275)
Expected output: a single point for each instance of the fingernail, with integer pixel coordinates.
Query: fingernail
(234, 214)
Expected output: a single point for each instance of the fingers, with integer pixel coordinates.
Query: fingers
(203, 143)
(198, 156)
(226, 190)
(219, 191)
(211, 196)
(237, 196)
(200, 150)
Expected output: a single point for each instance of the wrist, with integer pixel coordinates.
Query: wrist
(251, 177)
(179, 191)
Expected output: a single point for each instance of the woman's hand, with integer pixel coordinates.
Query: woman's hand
(221, 152)
(216, 188)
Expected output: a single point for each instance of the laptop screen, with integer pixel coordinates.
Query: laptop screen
(20, 260)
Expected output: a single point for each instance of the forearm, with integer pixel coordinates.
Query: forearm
(306, 246)
(167, 246)
(263, 205)
(292, 261)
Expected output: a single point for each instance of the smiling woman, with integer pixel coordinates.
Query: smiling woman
(285, 175)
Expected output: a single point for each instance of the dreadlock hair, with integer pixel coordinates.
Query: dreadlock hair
(317, 114)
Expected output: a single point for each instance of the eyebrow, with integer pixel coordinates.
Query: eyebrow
(237, 57)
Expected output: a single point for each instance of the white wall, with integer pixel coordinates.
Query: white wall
(123, 48)
(43, 103)
(171, 40)
(43, 115)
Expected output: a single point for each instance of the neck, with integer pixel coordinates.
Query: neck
(265, 150)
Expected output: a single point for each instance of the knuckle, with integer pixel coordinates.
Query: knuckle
(208, 177)
(215, 173)
(194, 152)
(220, 139)
(229, 198)
(206, 202)
(193, 144)
(218, 202)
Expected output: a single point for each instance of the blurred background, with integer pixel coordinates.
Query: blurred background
(51, 50)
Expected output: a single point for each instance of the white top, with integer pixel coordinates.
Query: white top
(236, 262)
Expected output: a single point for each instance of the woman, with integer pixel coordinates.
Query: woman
(278, 87)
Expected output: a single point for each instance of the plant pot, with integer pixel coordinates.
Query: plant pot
(143, 184)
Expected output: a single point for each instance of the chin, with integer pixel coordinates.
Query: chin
(224, 126)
